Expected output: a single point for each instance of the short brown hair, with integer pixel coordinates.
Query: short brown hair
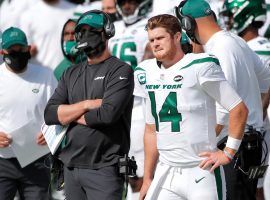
(169, 22)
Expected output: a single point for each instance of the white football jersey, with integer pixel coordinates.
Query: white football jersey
(261, 46)
(184, 114)
(129, 42)
(244, 71)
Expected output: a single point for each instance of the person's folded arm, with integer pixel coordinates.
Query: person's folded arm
(118, 94)
(59, 111)
(69, 113)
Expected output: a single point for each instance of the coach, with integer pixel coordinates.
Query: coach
(95, 99)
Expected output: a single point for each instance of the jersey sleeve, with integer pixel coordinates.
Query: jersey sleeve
(220, 91)
(209, 73)
(209, 77)
(139, 82)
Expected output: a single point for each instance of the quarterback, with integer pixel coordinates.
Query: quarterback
(180, 140)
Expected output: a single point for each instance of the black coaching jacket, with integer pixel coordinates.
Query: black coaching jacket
(106, 136)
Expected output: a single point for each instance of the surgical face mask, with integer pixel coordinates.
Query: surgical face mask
(16, 60)
(70, 48)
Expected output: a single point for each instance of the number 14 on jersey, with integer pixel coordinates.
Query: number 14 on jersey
(168, 111)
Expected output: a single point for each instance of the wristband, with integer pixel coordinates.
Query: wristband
(233, 143)
(228, 155)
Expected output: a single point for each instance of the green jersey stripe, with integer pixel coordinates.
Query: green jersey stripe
(77, 14)
(267, 53)
(218, 183)
(202, 60)
(153, 108)
(139, 69)
(267, 33)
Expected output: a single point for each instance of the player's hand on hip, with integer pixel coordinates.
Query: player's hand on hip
(145, 186)
(213, 160)
(40, 139)
(5, 140)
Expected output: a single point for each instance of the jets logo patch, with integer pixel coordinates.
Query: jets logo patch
(142, 78)
(35, 90)
(178, 78)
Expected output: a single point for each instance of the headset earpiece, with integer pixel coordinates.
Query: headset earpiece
(108, 27)
(187, 22)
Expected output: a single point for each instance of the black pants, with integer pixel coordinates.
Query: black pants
(88, 184)
(239, 187)
(32, 181)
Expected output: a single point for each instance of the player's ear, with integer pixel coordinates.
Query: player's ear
(177, 36)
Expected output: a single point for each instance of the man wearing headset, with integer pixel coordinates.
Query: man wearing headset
(245, 18)
(95, 99)
(181, 158)
(246, 74)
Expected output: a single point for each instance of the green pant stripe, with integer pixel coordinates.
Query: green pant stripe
(218, 183)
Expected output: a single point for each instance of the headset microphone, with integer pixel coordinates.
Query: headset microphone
(82, 45)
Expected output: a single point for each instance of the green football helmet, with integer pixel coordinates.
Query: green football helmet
(243, 13)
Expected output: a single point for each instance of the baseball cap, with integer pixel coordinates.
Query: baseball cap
(196, 8)
(95, 20)
(12, 36)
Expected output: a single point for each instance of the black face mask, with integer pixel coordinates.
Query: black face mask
(113, 16)
(92, 43)
(17, 61)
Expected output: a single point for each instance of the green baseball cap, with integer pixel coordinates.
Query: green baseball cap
(196, 8)
(12, 36)
(94, 20)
